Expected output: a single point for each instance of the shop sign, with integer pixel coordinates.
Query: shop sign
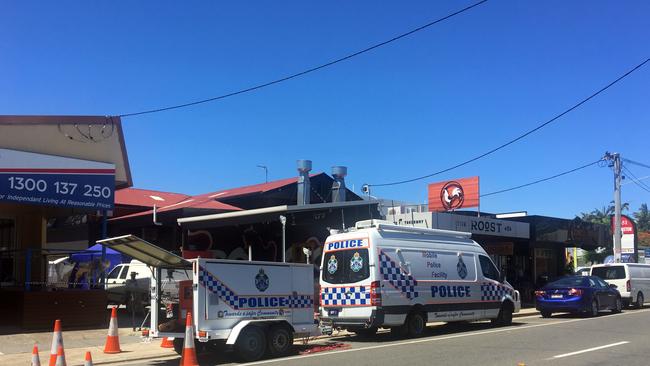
(454, 194)
(470, 224)
(31, 178)
(628, 234)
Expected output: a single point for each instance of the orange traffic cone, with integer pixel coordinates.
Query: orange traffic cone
(113, 338)
(36, 360)
(167, 342)
(57, 340)
(189, 353)
(60, 357)
(89, 359)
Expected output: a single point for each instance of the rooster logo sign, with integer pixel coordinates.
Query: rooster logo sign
(452, 195)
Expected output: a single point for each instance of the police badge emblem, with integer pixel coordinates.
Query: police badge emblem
(461, 268)
(356, 262)
(332, 265)
(261, 280)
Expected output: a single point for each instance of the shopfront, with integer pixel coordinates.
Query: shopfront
(58, 175)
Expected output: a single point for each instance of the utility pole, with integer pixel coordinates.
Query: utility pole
(615, 162)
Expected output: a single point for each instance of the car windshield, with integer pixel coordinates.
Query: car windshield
(609, 272)
(345, 266)
(569, 282)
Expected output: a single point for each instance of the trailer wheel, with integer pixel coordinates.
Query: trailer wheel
(178, 345)
(280, 340)
(251, 344)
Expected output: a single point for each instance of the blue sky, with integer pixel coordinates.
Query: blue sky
(413, 107)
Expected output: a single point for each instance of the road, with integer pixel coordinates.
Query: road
(609, 339)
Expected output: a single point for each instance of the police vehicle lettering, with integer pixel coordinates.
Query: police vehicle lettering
(347, 244)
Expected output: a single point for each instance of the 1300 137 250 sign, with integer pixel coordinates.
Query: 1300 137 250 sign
(67, 188)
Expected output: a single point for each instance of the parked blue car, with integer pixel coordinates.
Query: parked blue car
(578, 294)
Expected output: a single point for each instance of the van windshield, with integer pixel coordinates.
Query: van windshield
(345, 266)
(609, 273)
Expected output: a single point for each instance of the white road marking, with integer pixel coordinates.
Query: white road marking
(591, 349)
(477, 333)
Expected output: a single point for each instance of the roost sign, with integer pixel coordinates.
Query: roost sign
(32, 178)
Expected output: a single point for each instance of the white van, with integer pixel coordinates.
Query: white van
(399, 277)
(631, 279)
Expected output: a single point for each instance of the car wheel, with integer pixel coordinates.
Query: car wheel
(594, 308)
(280, 340)
(415, 324)
(546, 314)
(618, 306)
(251, 344)
(639, 301)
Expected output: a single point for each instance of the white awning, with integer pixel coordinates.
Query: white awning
(145, 252)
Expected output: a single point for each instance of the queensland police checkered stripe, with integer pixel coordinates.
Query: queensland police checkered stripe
(210, 282)
(213, 284)
(392, 273)
(345, 296)
(494, 292)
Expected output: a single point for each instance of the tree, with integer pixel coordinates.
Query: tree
(603, 216)
(642, 218)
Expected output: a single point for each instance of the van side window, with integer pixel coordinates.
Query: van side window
(125, 271)
(489, 271)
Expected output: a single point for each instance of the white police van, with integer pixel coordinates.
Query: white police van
(256, 307)
(383, 275)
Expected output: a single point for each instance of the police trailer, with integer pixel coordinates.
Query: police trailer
(256, 307)
(380, 275)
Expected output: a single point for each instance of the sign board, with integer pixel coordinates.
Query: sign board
(470, 224)
(628, 234)
(454, 194)
(32, 178)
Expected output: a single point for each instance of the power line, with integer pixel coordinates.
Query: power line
(544, 179)
(310, 70)
(489, 152)
(636, 163)
(636, 180)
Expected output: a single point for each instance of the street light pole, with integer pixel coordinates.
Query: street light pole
(266, 172)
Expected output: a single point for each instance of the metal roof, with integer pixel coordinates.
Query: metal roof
(147, 198)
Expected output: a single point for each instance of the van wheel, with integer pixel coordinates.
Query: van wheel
(365, 332)
(280, 340)
(639, 300)
(251, 344)
(415, 324)
(505, 316)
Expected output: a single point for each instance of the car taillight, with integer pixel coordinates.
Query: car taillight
(575, 292)
(539, 293)
(628, 286)
(375, 293)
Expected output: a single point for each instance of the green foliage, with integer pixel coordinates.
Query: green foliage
(642, 218)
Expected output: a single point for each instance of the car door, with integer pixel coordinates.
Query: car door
(608, 292)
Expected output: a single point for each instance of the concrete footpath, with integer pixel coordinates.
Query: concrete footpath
(15, 349)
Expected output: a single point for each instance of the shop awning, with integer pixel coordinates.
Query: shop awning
(265, 214)
(145, 252)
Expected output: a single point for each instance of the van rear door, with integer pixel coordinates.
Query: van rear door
(346, 278)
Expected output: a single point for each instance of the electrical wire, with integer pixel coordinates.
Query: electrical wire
(543, 180)
(635, 163)
(489, 152)
(307, 71)
(636, 180)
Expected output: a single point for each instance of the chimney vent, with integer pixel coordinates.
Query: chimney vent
(338, 187)
(304, 186)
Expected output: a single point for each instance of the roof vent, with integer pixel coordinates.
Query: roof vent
(338, 187)
(304, 186)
